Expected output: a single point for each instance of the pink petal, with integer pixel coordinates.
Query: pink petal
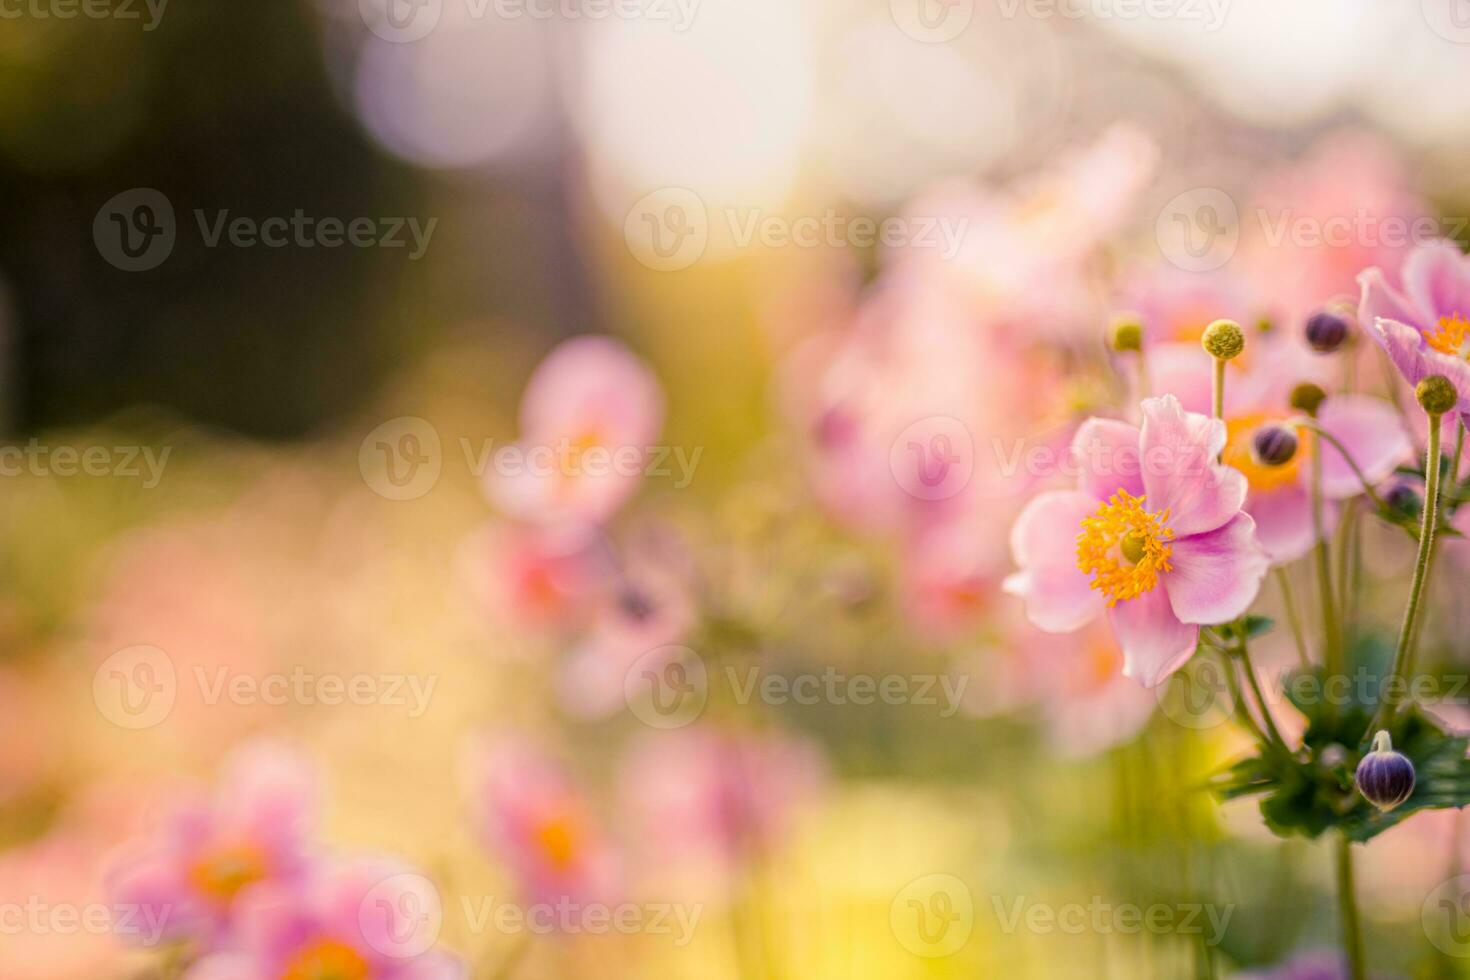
(1045, 533)
(1417, 361)
(1216, 575)
(1106, 452)
(1374, 435)
(1182, 370)
(1379, 299)
(1057, 600)
(226, 966)
(1284, 522)
(1155, 643)
(1179, 468)
(1437, 280)
(156, 886)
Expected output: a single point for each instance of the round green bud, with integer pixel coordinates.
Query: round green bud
(1132, 547)
(1125, 333)
(1436, 394)
(1306, 397)
(1223, 340)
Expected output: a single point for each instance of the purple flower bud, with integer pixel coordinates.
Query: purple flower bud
(1326, 332)
(1405, 498)
(1274, 445)
(1385, 777)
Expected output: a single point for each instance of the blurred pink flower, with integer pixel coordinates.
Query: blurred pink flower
(535, 577)
(207, 852)
(1087, 704)
(644, 608)
(1314, 224)
(358, 919)
(703, 799)
(1026, 252)
(1425, 327)
(589, 414)
(1258, 394)
(529, 812)
(950, 576)
(1154, 535)
(1175, 305)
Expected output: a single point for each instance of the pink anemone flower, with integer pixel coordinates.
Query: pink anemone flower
(208, 852)
(1153, 536)
(1425, 326)
(357, 919)
(530, 812)
(589, 415)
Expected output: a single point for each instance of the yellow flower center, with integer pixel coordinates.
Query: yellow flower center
(1124, 547)
(1240, 433)
(1452, 337)
(327, 960)
(558, 838)
(223, 872)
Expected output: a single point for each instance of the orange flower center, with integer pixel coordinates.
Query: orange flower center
(1124, 547)
(1452, 337)
(1240, 433)
(327, 960)
(221, 873)
(558, 838)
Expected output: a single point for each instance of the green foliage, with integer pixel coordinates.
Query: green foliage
(1311, 791)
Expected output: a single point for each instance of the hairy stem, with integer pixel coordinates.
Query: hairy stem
(1347, 904)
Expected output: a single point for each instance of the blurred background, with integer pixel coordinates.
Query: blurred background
(273, 280)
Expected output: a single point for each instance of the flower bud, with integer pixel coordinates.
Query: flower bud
(1125, 332)
(1385, 777)
(1307, 397)
(1223, 340)
(1273, 445)
(1436, 395)
(1326, 331)
(1404, 498)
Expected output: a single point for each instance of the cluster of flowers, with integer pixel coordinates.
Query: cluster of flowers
(238, 883)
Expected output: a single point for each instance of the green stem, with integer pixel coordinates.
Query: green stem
(1347, 904)
(1316, 429)
(1331, 638)
(1283, 578)
(1255, 683)
(1427, 524)
(1218, 389)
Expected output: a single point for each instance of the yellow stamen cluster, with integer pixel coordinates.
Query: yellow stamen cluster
(1123, 570)
(1452, 337)
(327, 960)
